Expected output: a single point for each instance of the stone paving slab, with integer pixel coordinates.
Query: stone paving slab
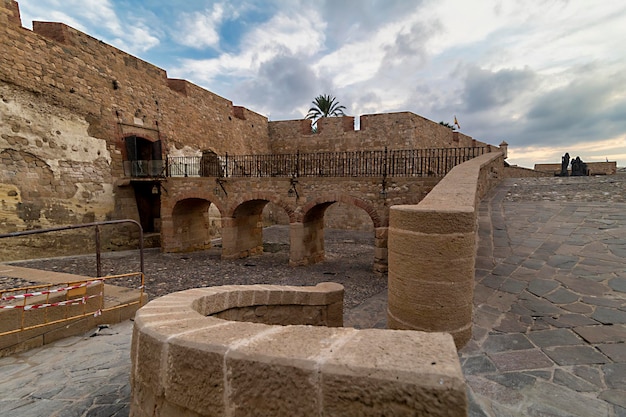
(76, 376)
(560, 342)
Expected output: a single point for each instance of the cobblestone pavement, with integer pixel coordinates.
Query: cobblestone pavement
(72, 377)
(550, 300)
(549, 327)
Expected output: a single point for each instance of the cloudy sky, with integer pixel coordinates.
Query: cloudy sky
(546, 76)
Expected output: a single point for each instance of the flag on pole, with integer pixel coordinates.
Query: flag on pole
(456, 122)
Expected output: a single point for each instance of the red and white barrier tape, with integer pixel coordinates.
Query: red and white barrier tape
(33, 294)
(82, 300)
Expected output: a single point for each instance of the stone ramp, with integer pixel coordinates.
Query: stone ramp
(103, 304)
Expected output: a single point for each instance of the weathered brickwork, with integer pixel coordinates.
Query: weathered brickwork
(186, 224)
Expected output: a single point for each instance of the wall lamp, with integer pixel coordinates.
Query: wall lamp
(219, 186)
(157, 188)
(292, 189)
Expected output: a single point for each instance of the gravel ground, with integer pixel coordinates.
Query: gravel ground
(349, 261)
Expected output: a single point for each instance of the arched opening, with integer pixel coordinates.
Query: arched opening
(345, 216)
(243, 235)
(275, 230)
(356, 239)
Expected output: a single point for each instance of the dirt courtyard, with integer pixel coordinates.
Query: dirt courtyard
(349, 261)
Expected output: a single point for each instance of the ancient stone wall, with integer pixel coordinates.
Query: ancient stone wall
(68, 103)
(189, 358)
(186, 225)
(67, 100)
(403, 130)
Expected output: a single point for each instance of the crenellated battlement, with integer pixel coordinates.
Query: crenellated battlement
(10, 13)
(68, 36)
(70, 69)
(73, 101)
(402, 130)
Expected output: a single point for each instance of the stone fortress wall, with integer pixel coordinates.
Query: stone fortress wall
(402, 130)
(595, 168)
(68, 100)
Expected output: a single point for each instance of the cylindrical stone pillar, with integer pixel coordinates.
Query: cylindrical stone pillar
(431, 270)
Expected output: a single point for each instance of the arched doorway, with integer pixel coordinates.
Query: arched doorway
(144, 165)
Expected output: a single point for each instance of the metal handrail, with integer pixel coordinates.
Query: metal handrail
(97, 237)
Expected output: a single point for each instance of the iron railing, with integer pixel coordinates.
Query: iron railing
(435, 162)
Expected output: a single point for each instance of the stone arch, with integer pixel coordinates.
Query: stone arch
(310, 232)
(326, 201)
(268, 198)
(189, 224)
(242, 232)
(198, 194)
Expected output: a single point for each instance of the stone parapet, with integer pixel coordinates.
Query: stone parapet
(594, 168)
(189, 357)
(521, 172)
(432, 247)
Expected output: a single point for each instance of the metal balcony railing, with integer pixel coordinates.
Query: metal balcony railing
(435, 162)
(142, 168)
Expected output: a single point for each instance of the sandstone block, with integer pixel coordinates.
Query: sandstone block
(431, 319)
(430, 293)
(444, 220)
(195, 379)
(352, 387)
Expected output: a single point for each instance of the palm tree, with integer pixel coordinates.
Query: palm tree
(448, 125)
(324, 106)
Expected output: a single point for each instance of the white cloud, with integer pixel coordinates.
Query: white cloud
(286, 33)
(200, 29)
